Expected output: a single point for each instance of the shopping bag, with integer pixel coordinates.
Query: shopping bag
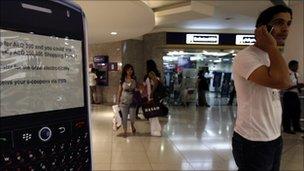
(117, 117)
(153, 109)
(155, 127)
(164, 109)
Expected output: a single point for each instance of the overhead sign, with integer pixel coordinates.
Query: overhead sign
(206, 39)
(244, 39)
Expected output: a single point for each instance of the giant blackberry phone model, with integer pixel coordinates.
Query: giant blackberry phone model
(44, 121)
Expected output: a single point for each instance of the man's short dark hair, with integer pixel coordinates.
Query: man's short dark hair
(266, 16)
(293, 63)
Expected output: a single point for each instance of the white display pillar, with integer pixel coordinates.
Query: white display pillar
(293, 49)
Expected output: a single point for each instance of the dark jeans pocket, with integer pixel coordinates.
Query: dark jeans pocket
(237, 151)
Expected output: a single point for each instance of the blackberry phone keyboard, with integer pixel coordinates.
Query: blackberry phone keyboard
(63, 146)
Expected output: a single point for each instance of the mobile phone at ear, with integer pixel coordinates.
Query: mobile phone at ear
(44, 121)
(269, 28)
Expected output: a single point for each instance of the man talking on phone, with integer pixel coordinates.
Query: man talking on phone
(259, 72)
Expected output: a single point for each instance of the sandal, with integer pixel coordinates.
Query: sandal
(124, 135)
(133, 130)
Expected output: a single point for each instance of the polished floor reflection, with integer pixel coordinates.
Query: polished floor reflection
(194, 138)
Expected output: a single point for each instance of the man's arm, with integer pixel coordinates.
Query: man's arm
(276, 75)
(299, 86)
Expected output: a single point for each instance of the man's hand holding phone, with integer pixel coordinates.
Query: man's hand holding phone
(269, 28)
(264, 39)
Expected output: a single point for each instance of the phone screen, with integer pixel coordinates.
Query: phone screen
(44, 121)
(39, 73)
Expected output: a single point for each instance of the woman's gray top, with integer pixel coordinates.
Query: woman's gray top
(127, 92)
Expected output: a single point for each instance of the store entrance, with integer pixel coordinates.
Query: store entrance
(184, 69)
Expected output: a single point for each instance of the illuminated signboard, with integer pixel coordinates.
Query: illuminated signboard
(244, 39)
(206, 39)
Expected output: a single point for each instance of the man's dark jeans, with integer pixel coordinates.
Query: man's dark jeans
(256, 155)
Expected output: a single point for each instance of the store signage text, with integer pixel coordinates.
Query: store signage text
(207, 39)
(244, 39)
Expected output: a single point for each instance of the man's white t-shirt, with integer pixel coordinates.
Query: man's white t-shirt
(259, 112)
(92, 79)
(294, 82)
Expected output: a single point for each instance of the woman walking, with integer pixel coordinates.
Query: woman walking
(151, 80)
(125, 97)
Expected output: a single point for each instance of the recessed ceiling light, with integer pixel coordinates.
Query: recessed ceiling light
(113, 33)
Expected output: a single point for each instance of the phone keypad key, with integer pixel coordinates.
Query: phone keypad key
(67, 149)
(19, 157)
(54, 163)
(43, 165)
(31, 156)
(6, 159)
(30, 167)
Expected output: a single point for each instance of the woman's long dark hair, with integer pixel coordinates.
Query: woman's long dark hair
(124, 73)
(151, 66)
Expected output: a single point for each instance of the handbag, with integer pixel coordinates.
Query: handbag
(137, 99)
(160, 92)
(153, 109)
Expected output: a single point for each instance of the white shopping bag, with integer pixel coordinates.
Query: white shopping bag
(116, 117)
(155, 126)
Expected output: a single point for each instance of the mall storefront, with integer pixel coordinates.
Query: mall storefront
(185, 54)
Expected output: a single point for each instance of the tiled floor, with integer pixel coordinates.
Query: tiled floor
(194, 138)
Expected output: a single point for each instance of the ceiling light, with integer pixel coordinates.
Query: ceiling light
(195, 58)
(170, 58)
(215, 53)
(217, 60)
(113, 33)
